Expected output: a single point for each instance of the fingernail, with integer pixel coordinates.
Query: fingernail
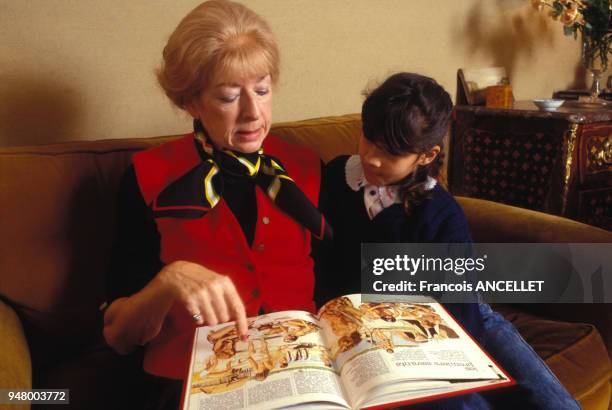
(244, 338)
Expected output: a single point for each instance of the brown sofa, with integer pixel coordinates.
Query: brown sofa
(58, 219)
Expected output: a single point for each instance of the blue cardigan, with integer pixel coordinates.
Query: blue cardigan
(337, 266)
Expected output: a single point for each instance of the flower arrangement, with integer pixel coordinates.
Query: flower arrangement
(589, 17)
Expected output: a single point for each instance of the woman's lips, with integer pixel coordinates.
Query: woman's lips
(249, 135)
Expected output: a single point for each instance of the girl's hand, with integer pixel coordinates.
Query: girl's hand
(205, 293)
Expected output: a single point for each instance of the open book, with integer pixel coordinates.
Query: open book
(353, 354)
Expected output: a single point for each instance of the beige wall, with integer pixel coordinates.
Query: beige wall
(83, 69)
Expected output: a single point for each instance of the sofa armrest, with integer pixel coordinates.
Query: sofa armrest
(16, 368)
(495, 222)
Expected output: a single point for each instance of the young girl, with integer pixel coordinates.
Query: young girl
(389, 193)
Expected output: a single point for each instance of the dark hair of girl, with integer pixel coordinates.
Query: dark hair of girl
(409, 113)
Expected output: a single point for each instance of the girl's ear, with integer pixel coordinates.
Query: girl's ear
(429, 156)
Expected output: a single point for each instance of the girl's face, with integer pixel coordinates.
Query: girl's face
(383, 168)
(236, 111)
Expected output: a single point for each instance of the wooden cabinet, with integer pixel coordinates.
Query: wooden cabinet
(558, 162)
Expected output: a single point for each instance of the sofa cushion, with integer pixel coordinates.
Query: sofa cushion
(598, 314)
(575, 352)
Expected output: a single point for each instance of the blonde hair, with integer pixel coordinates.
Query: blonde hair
(218, 37)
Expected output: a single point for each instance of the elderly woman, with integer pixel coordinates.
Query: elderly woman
(216, 225)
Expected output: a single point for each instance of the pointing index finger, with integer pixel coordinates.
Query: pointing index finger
(242, 325)
(238, 312)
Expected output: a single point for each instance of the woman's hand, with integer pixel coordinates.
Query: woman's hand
(137, 319)
(204, 293)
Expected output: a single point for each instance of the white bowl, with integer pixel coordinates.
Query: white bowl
(548, 104)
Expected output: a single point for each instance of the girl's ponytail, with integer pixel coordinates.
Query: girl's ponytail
(414, 189)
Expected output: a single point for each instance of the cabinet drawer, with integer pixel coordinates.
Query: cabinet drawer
(596, 155)
(595, 207)
(516, 168)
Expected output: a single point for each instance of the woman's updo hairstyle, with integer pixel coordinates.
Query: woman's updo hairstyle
(409, 113)
(218, 37)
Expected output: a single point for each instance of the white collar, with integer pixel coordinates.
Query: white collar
(354, 173)
(376, 198)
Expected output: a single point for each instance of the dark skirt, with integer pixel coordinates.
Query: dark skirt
(161, 393)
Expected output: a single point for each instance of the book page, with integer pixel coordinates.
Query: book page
(379, 343)
(284, 362)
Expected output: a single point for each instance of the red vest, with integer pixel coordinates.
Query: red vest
(274, 274)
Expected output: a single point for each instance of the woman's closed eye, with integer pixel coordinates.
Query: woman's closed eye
(262, 91)
(228, 98)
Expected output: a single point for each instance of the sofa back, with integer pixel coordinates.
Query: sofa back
(58, 220)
